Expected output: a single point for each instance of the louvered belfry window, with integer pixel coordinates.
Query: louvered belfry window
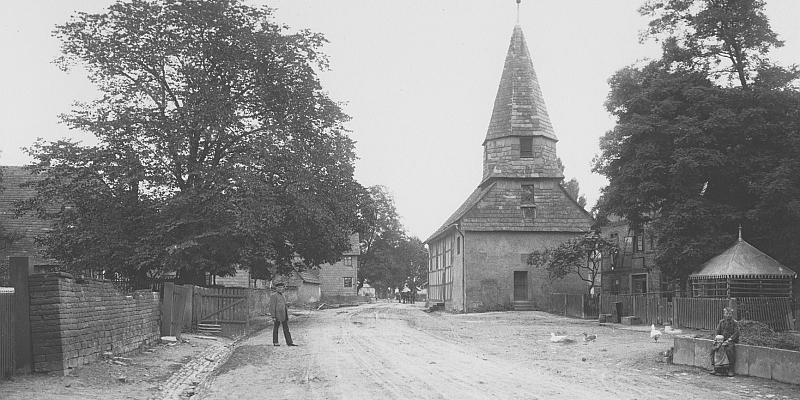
(526, 147)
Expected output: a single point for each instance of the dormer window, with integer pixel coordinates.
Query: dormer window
(525, 147)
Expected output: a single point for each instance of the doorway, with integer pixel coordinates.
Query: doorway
(520, 285)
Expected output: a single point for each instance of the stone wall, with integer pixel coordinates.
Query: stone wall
(776, 364)
(492, 258)
(74, 322)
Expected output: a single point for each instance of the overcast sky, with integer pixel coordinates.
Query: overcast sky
(418, 78)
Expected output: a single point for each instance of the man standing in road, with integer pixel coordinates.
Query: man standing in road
(279, 310)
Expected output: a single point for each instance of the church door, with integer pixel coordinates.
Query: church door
(520, 285)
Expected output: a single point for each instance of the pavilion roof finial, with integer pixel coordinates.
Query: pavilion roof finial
(518, 1)
(740, 232)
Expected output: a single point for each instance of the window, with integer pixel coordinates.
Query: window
(613, 287)
(348, 281)
(639, 284)
(639, 239)
(526, 147)
(348, 261)
(527, 195)
(529, 212)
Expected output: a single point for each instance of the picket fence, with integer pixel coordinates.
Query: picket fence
(699, 313)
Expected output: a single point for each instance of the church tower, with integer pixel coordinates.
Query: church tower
(520, 142)
(478, 257)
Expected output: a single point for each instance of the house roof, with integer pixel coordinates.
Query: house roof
(519, 108)
(310, 276)
(742, 260)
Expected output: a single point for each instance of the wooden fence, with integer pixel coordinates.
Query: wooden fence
(651, 308)
(7, 364)
(700, 313)
(573, 305)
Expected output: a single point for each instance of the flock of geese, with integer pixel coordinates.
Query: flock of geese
(655, 334)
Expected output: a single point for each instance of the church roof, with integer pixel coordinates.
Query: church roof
(496, 208)
(519, 108)
(471, 201)
(742, 260)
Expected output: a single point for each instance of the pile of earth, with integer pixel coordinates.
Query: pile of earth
(760, 334)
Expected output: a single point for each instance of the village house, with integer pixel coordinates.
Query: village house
(22, 229)
(632, 269)
(477, 258)
(340, 279)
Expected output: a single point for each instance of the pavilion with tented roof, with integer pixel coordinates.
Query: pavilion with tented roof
(742, 271)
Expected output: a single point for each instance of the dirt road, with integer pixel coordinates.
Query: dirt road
(394, 351)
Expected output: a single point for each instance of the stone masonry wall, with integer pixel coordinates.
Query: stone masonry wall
(74, 322)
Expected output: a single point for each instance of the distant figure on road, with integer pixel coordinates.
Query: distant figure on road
(279, 310)
(726, 337)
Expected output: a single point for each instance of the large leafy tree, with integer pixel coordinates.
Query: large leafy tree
(390, 258)
(695, 157)
(723, 37)
(216, 146)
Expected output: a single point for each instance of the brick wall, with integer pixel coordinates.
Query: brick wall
(75, 322)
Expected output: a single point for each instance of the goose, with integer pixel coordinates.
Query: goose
(555, 339)
(654, 333)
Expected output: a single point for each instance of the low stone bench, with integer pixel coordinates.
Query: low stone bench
(764, 362)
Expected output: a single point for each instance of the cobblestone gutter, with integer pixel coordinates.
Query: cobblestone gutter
(197, 375)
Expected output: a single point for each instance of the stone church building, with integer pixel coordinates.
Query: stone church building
(478, 256)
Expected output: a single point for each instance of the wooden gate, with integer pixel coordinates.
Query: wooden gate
(226, 307)
(7, 364)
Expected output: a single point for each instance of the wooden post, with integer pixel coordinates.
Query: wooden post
(19, 268)
(166, 309)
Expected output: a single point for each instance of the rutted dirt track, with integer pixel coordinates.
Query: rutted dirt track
(394, 351)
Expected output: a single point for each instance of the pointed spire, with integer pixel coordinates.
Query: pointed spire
(519, 118)
(519, 108)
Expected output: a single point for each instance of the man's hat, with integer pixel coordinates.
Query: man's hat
(280, 284)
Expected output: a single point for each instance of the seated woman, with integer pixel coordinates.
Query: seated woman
(726, 337)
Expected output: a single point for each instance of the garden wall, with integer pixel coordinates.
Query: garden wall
(776, 364)
(74, 322)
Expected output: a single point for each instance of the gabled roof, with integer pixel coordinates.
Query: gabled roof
(471, 201)
(519, 108)
(742, 261)
(497, 208)
(309, 276)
